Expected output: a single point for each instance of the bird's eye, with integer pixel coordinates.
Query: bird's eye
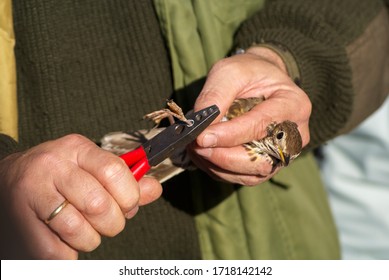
(280, 135)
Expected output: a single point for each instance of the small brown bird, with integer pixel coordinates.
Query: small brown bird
(281, 145)
(283, 142)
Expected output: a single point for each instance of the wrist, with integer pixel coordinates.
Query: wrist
(278, 56)
(269, 55)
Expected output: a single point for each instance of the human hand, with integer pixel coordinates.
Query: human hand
(259, 72)
(98, 185)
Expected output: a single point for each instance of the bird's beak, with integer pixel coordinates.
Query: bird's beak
(284, 157)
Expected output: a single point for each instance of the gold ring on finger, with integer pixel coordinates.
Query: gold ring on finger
(56, 211)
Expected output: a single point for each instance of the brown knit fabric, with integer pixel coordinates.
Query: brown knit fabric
(317, 35)
(92, 67)
(89, 67)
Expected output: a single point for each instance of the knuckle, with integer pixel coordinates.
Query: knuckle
(221, 65)
(45, 158)
(131, 203)
(32, 169)
(71, 226)
(262, 169)
(49, 253)
(113, 169)
(305, 105)
(306, 110)
(74, 140)
(221, 158)
(97, 203)
(309, 108)
(116, 228)
(259, 127)
(227, 66)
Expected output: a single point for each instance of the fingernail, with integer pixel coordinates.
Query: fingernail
(209, 140)
(204, 152)
(130, 214)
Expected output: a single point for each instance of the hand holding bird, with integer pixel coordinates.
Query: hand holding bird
(259, 78)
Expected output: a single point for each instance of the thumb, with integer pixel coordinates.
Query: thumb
(237, 131)
(248, 126)
(221, 91)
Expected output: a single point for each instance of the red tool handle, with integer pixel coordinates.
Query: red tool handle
(137, 161)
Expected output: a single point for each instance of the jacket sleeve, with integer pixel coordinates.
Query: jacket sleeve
(341, 49)
(7, 145)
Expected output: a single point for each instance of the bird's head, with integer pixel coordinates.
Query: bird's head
(287, 141)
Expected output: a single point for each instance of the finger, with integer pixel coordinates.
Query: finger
(226, 176)
(236, 160)
(150, 190)
(68, 223)
(50, 246)
(234, 132)
(243, 129)
(107, 168)
(42, 242)
(113, 174)
(217, 89)
(239, 76)
(90, 198)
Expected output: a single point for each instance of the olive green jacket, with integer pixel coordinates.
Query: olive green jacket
(282, 219)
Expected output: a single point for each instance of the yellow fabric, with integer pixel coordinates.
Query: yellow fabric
(8, 100)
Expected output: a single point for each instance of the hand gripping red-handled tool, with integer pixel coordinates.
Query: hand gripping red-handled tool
(160, 147)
